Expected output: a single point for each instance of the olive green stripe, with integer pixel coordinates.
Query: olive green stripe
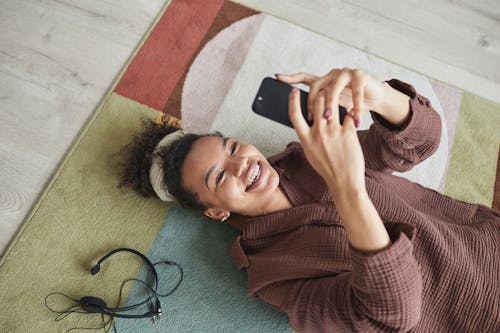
(472, 168)
(496, 195)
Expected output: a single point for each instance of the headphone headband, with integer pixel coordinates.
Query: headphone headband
(95, 269)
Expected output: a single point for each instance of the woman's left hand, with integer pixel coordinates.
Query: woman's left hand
(354, 89)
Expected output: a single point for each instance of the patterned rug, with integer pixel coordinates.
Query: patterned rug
(202, 62)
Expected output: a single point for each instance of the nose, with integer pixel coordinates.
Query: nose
(238, 165)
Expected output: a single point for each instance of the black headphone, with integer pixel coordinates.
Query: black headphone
(92, 304)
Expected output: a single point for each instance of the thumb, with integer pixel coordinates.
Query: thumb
(295, 114)
(349, 121)
(301, 77)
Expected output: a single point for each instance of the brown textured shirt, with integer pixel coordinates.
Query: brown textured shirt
(441, 274)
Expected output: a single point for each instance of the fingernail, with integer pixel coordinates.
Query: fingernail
(328, 113)
(277, 74)
(309, 116)
(356, 123)
(294, 90)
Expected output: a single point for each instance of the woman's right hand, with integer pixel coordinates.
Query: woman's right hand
(332, 149)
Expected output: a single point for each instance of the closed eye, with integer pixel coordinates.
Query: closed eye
(221, 174)
(233, 148)
(219, 177)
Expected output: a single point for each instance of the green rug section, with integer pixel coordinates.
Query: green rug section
(211, 297)
(473, 164)
(81, 216)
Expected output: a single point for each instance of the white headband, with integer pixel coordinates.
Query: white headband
(156, 171)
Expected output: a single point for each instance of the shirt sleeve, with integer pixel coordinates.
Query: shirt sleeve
(382, 293)
(387, 148)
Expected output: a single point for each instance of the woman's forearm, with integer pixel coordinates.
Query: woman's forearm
(395, 107)
(362, 223)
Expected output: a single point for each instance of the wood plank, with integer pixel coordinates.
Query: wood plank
(455, 42)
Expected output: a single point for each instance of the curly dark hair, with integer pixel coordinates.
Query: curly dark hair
(138, 154)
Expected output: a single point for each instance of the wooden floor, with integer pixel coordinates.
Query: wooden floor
(59, 57)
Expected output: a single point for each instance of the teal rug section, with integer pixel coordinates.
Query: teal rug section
(212, 296)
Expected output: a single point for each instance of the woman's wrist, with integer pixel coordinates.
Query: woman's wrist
(364, 227)
(349, 203)
(395, 106)
(345, 197)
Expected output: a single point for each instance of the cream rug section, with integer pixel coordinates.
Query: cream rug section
(281, 47)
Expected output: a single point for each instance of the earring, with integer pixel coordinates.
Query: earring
(224, 218)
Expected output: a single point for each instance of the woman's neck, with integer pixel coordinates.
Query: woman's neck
(279, 201)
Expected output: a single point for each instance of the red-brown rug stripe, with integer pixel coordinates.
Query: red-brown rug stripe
(164, 57)
(229, 14)
(496, 191)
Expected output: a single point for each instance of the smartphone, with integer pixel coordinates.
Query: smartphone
(271, 102)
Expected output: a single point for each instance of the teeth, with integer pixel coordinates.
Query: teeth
(256, 174)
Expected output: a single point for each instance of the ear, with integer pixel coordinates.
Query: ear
(216, 213)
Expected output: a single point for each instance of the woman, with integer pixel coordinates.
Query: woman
(332, 238)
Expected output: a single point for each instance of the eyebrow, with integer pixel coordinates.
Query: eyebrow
(211, 170)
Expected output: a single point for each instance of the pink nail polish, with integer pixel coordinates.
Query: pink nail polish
(309, 116)
(327, 114)
(356, 123)
(294, 90)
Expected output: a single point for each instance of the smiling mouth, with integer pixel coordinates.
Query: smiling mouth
(254, 180)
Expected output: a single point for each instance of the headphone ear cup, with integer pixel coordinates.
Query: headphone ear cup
(92, 304)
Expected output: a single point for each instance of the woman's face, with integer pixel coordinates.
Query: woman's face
(229, 176)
